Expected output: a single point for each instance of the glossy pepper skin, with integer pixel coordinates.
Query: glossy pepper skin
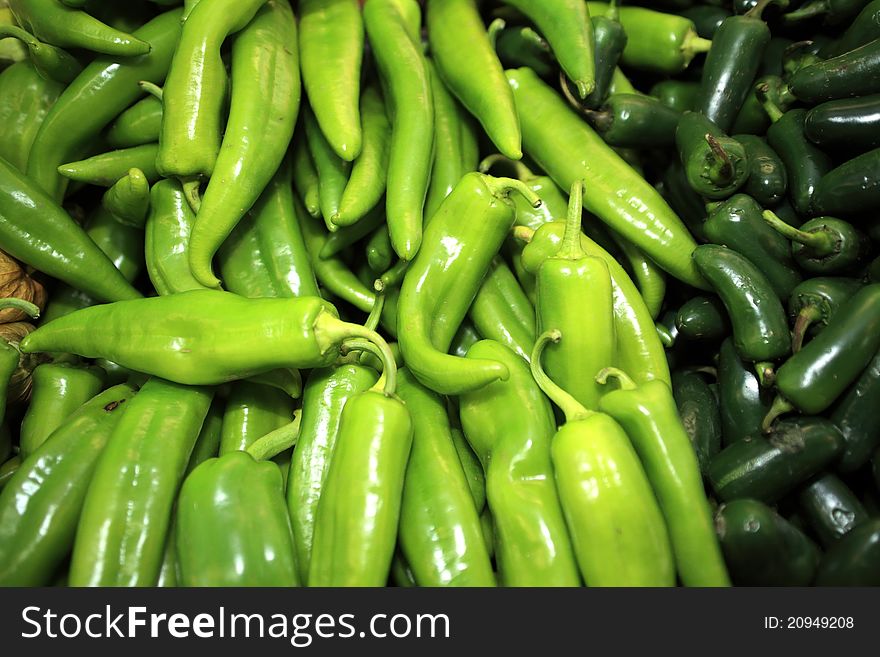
(392, 27)
(265, 102)
(439, 533)
(814, 302)
(331, 50)
(650, 418)
(510, 426)
(609, 39)
(616, 526)
(128, 200)
(762, 548)
(865, 27)
(766, 468)
(126, 513)
(41, 503)
(851, 74)
(460, 241)
(59, 389)
(194, 92)
(760, 328)
(217, 545)
(106, 168)
(741, 402)
(252, 410)
(852, 561)
(333, 172)
(699, 411)
(25, 100)
(326, 392)
(635, 121)
(678, 95)
(830, 508)
(849, 124)
(40, 233)
(357, 518)
(851, 188)
(616, 193)
(198, 337)
(716, 165)
(823, 245)
(470, 68)
(702, 318)
(767, 182)
(51, 62)
(855, 417)
(568, 282)
(54, 23)
(139, 124)
(104, 89)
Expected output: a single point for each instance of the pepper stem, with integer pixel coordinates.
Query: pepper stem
(152, 89)
(613, 11)
(277, 441)
(766, 373)
(570, 406)
(819, 242)
(495, 28)
(28, 308)
(505, 186)
(393, 276)
(571, 248)
(721, 172)
(779, 407)
(520, 170)
(804, 320)
(523, 233)
(762, 91)
(693, 44)
(809, 10)
(566, 91)
(624, 381)
(376, 311)
(388, 380)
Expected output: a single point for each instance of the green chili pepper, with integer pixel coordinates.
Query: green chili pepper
(760, 329)
(193, 337)
(613, 518)
(207, 444)
(609, 40)
(767, 181)
(736, 223)
(51, 62)
(326, 392)
(104, 89)
(41, 503)
(857, 420)
(554, 205)
(333, 172)
(716, 165)
(331, 48)
(815, 301)
(683, 200)
(742, 405)
(252, 411)
(356, 522)
(567, 282)
(378, 250)
(440, 533)
(702, 318)
(40, 233)
(260, 126)
(139, 124)
(658, 42)
(849, 124)
(59, 389)
(852, 561)
(340, 240)
(128, 200)
(833, 11)
(851, 187)
(366, 184)
(126, 512)
(478, 214)
(634, 121)
(25, 100)
(510, 425)
(864, 28)
(851, 74)
(830, 508)
(8, 469)
(242, 264)
(766, 468)
(107, 168)
(217, 545)
(650, 418)
(404, 73)
(818, 374)
(521, 46)
(678, 95)
(617, 194)
(67, 27)
(305, 177)
(700, 415)
(761, 548)
(823, 245)
(470, 68)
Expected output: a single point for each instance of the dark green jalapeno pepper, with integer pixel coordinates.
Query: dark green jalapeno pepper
(853, 73)
(741, 402)
(684, 201)
(849, 124)
(614, 520)
(106, 168)
(139, 124)
(715, 164)
(766, 468)
(823, 245)
(634, 121)
(41, 503)
(815, 301)
(700, 415)
(678, 95)
(767, 182)
(25, 100)
(737, 223)
(440, 533)
(58, 390)
(851, 188)
(126, 512)
(830, 508)
(521, 46)
(510, 425)
(761, 548)
(609, 39)
(817, 375)
(216, 544)
(834, 12)
(856, 418)
(650, 418)
(864, 28)
(702, 318)
(854, 559)
(760, 328)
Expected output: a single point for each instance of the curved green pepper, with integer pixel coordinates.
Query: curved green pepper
(767, 182)
(853, 73)
(815, 301)
(823, 245)
(856, 418)
(105, 169)
(634, 121)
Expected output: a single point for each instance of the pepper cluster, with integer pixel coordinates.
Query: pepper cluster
(353, 293)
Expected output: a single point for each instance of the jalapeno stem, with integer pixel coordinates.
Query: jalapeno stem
(571, 248)
(153, 89)
(28, 308)
(766, 373)
(779, 407)
(820, 242)
(721, 172)
(809, 10)
(505, 186)
(570, 406)
(804, 320)
(520, 170)
(762, 90)
(277, 441)
(624, 381)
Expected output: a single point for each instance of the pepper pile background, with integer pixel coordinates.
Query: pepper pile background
(446, 293)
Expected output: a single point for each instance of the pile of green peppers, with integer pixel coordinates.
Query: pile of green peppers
(442, 293)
